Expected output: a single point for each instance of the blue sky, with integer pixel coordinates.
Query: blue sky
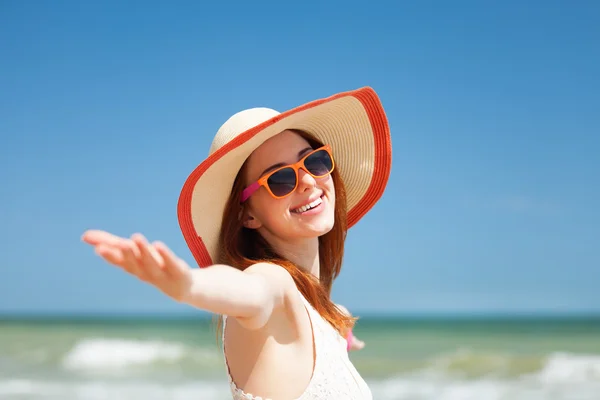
(492, 204)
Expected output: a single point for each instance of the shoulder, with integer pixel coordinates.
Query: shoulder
(270, 270)
(276, 289)
(273, 275)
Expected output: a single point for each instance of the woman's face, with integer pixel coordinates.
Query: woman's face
(288, 219)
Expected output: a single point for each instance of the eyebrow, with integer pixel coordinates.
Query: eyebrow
(275, 166)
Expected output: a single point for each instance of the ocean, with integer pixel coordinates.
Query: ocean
(404, 358)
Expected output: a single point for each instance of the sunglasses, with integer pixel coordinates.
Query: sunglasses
(282, 181)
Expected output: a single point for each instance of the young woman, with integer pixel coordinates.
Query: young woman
(265, 216)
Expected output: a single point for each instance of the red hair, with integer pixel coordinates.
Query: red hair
(241, 247)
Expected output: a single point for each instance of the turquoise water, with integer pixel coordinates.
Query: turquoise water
(165, 359)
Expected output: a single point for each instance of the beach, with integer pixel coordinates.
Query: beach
(404, 358)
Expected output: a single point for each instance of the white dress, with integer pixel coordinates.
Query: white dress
(334, 376)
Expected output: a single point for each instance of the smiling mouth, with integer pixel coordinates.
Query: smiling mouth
(309, 206)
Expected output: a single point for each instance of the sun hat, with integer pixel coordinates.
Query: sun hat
(353, 123)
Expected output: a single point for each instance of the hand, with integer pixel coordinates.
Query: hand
(152, 263)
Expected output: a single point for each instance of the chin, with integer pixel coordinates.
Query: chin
(318, 225)
(321, 230)
(315, 222)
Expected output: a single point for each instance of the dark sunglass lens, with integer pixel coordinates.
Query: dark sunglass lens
(282, 182)
(319, 163)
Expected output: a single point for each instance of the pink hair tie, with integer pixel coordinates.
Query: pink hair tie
(349, 339)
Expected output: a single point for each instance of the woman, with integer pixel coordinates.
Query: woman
(265, 217)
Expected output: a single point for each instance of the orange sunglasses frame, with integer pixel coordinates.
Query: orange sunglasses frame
(262, 181)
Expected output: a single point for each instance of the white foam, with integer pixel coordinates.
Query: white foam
(393, 389)
(563, 376)
(98, 390)
(481, 389)
(570, 368)
(122, 353)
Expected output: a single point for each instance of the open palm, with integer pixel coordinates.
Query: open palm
(152, 263)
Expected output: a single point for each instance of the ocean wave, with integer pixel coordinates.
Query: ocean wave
(111, 354)
(401, 388)
(100, 390)
(118, 354)
(560, 376)
(469, 364)
(570, 368)
(119, 368)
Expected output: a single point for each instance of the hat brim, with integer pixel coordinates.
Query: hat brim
(353, 123)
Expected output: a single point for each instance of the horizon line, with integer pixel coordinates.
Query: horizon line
(367, 315)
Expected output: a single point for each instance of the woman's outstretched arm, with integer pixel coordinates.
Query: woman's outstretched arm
(250, 296)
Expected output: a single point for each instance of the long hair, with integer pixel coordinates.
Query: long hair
(241, 247)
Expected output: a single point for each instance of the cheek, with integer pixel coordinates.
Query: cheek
(331, 189)
(329, 186)
(267, 208)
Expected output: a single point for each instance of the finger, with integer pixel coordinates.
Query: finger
(172, 263)
(131, 258)
(111, 254)
(147, 252)
(150, 261)
(95, 237)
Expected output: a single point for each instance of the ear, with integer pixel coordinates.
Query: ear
(250, 222)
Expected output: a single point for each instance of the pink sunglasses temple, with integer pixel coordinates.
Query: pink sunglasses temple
(246, 193)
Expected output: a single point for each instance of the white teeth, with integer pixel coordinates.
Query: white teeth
(308, 206)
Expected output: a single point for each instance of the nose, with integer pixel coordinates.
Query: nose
(305, 181)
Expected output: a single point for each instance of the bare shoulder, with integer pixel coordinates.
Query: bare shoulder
(271, 271)
(256, 349)
(275, 276)
(276, 288)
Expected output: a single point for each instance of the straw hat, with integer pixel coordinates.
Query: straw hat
(353, 123)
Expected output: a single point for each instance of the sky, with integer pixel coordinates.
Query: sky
(492, 202)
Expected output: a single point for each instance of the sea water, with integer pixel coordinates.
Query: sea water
(416, 359)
